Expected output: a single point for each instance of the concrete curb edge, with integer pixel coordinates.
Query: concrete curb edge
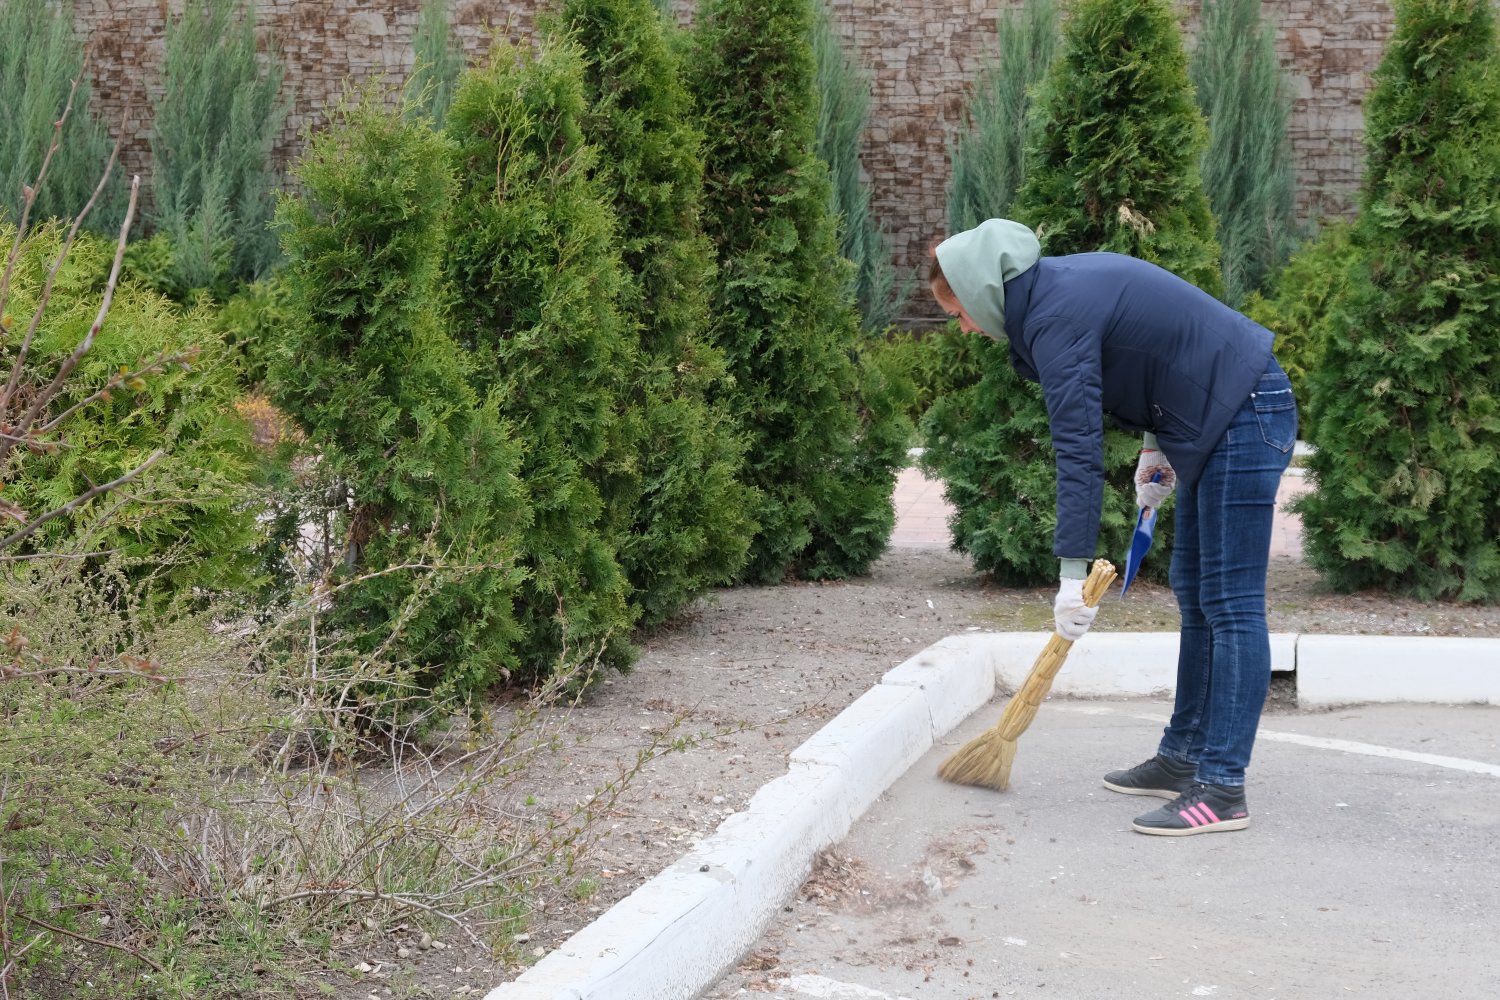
(680, 931)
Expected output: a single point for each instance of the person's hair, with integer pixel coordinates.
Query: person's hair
(936, 279)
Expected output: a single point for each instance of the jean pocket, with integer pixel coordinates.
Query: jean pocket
(1276, 412)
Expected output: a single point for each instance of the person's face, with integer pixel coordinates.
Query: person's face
(954, 308)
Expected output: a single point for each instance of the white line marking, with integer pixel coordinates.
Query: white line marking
(832, 989)
(1327, 743)
(1371, 750)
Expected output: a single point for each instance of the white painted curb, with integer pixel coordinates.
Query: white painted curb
(680, 932)
(1111, 664)
(677, 934)
(1345, 669)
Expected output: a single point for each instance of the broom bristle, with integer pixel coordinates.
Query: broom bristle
(983, 762)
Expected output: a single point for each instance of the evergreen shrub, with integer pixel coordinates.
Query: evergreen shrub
(212, 132)
(1406, 476)
(821, 456)
(682, 514)
(938, 361)
(843, 88)
(536, 274)
(252, 322)
(166, 382)
(988, 152)
(987, 158)
(438, 61)
(1247, 168)
(424, 509)
(39, 60)
(1296, 307)
(1112, 164)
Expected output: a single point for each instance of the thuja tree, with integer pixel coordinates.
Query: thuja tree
(681, 512)
(1112, 164)
(437, 63)
(1407, 472)
(824, 446)
(40, 62)
(843, 117)
(420, 473)
(987, 153)
(214, 124)
(537, 278)
(1299, 303)
(1247, 167)
(1113, 157)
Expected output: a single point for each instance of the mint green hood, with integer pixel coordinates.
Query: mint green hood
(978, 263)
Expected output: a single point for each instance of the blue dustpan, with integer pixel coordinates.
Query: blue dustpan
(1140, 542)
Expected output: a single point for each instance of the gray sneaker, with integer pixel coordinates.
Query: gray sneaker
(1200, 809)
(1159, 776)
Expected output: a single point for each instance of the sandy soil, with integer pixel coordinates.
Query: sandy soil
(746, 678)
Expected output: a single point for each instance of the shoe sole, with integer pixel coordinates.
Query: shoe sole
(1160, 793)
(1188, 831)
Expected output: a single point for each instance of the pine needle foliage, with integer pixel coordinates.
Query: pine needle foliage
(988, 152)
(419, 469)
(214, 125)
(537, 278)
(39, 60)
(823, 455)
(1111, 164)
(1407, 472)
(1247, 167)
(438, 62)
(987, 165)
(682, 513)
(843, 118)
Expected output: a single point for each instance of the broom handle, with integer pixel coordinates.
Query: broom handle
(1049, 662)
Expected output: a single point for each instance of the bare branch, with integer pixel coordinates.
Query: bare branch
(62, 255)
(46, 396)
(90, 940)
(115, 381)
(365, 895)
(79, 501)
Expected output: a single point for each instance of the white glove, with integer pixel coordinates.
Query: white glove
(1147, 493)
(1072, 615)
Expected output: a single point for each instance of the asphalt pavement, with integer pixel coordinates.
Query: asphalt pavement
(1371, 869)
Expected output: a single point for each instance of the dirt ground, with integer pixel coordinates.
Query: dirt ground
(754, 672)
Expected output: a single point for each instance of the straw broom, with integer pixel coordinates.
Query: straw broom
(985, 760)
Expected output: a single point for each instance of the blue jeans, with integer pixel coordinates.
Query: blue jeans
(1221, 551)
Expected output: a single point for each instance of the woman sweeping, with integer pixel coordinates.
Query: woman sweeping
(1108, 335)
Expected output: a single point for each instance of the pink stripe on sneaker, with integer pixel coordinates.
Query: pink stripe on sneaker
(1198, 814)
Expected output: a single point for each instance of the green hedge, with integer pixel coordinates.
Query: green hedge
(820, 451)
(425, 508)
(1407, 473)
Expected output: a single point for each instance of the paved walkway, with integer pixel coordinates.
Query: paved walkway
(1371, 869)
(922, 514)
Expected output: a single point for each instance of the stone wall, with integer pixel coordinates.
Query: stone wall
(922, 54)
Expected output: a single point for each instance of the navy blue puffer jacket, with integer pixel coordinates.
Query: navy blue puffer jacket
(1112, 336)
